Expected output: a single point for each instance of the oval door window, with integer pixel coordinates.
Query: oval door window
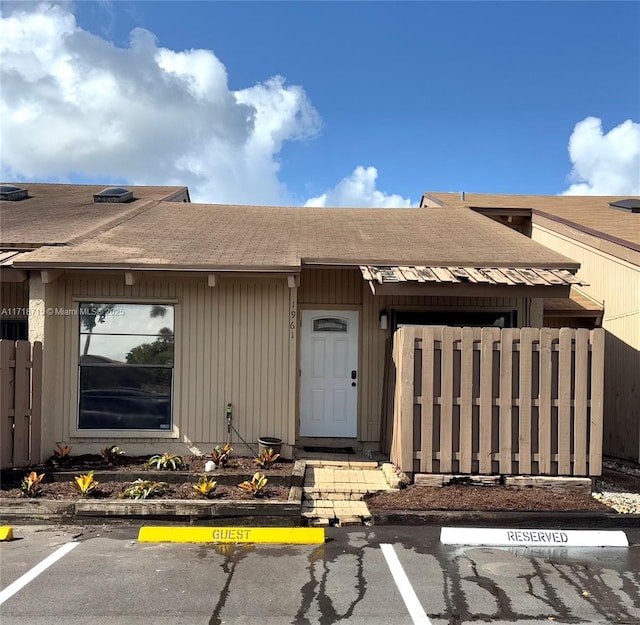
(329, 324)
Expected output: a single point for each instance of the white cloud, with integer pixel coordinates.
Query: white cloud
(359, 190)
(604, 164)
(74, 104)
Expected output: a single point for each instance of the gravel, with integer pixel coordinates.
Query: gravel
(619, 487)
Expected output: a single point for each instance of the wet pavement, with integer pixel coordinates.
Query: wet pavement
(111, 578)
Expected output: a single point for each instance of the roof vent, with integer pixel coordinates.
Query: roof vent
(114, 195)
(11, 193)
(632, 205)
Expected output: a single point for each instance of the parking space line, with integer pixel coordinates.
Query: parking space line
(418, 615)
(29, 576)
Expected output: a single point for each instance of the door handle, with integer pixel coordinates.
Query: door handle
(353, 374)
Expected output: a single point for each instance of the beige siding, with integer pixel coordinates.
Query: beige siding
(349, 290)
(617, 283)
(233, 344)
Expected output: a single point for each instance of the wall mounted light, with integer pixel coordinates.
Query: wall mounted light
(384, 319)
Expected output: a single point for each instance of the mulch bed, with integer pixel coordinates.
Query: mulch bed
(111, 490)
(488, 498)
(135, 465)
(194, 464)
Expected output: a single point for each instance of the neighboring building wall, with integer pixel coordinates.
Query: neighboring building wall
(327, 288)
(14, 302)
(616, 281)
(233, 344)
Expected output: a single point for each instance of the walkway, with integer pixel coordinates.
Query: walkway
(334, 490)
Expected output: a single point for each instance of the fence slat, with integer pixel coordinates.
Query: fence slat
(36, 403)
(507, 336)
(544, 434)
(486, 398)
(21, 408)
(426, 437)
(7, 372)
(597, 398)
(564, 401)
(527, 337)
(405, 375)
(446, 400)
(580, 416)
(466, 399)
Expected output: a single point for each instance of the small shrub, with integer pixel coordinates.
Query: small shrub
(205, 487)
(111, 454)
(220, 455)
(85, 484)
(62, 455)
(266, 459)
(165, 462)
(30, 484)
(143, 489)
(256, 486)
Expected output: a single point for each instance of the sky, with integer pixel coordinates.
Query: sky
(326, 103)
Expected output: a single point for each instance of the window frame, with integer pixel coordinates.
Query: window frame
(75, 432)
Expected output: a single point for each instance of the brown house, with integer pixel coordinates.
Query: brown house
(603, 235)
(156, 313)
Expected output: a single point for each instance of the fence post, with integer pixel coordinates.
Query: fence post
(405, 392)
(36, 403)
(597, 395)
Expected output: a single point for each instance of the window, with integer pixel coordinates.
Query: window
(14, 329)
(329, 324)
(125, 366)
(458, 318)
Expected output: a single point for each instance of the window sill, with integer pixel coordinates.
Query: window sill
(169, 434)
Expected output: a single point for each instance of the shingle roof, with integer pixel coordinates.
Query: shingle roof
(209, 237)
(592, 212)
(57, 214)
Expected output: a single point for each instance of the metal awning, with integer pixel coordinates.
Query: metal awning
(481, 281)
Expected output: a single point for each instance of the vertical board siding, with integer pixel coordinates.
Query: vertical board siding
(617, 283)
(233, 345)
(568, 439)
(14, 298)
(20, 403)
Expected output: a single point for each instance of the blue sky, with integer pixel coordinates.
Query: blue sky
(443, 96)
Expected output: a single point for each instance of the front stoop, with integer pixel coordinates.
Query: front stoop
(333, 492)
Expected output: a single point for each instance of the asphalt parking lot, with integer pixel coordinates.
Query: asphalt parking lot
(390, 575)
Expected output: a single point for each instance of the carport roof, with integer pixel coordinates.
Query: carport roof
(202, 237)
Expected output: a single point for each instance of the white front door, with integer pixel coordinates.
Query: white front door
(329, 373)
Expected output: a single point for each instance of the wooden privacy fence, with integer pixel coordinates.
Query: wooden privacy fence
(521, 401)
(20, 402)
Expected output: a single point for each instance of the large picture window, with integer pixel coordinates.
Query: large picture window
(126, 366)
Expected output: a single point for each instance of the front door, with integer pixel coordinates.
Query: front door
(329, 373)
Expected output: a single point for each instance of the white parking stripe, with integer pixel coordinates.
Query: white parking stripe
(29, 576)
(418, 615)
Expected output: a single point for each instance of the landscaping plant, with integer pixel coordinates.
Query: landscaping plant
(205, 487)
(165, 462)
(30, 484)
(220, 455)
(111, 454)
(256, 486)
(62, 455)
(85, 484)
(143, 489)
(266, 459)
